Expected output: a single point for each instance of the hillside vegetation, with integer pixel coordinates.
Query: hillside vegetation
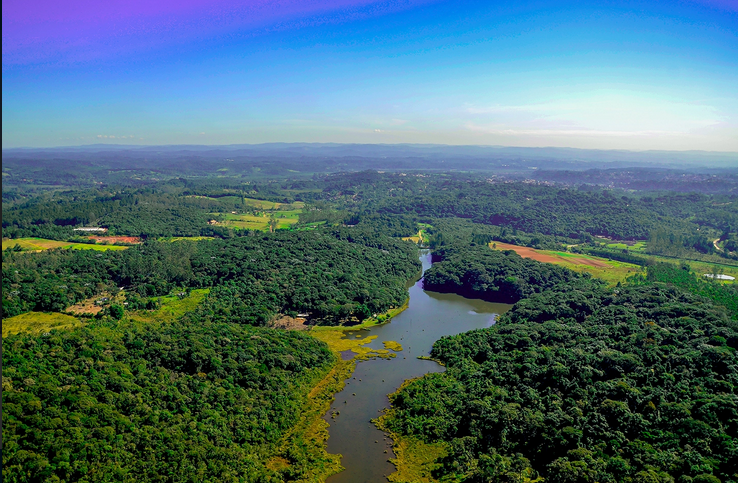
(585, 383)
(332, 275)
(189, 403)
(478, 272)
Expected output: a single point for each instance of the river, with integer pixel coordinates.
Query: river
(429, 317)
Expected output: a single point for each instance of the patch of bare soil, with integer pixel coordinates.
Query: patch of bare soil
(591, 263)
(527, 252)
(115, 239)
(88, 306)
(291, 323)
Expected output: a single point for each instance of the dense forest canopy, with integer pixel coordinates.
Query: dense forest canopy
(585, 383)
(494, 276)
(181, 402)
(674, 224)
(332, 275)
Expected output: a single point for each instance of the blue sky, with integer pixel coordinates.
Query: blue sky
(622, 75)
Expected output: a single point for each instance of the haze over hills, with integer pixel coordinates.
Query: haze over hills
(707, 172)
(476, 154)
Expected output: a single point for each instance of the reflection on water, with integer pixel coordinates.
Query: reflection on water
(429, 317)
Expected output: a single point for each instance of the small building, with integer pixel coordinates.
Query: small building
(91, 229)
(719, 276)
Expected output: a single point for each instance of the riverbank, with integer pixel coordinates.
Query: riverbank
(414, 459)
(340, 437)
(368, 453)
(303, 451)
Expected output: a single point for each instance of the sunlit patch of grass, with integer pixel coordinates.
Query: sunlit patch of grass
(636, 247)
(186, 238)
(616, 271)
(38, 323)
(702, 268)
(172, 307)
(610, 271)
(260, 222)
(38, 244)
(420, 237)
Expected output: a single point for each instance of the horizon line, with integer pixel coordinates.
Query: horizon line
(498, 146)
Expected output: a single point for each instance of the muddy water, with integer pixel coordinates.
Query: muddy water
(428, 317)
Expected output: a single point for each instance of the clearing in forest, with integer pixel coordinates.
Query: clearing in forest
(39, 244)
(254, 203)
(284, 219)
(181, 238)
(172, 307)
(609, 270)
(37, 323)
(115, 239)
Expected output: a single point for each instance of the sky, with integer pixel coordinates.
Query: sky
(636, 75)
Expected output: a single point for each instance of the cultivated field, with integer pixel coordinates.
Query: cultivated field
(38, 244)
(609, 270)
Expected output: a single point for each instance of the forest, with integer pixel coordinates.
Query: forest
(495, 276)
(584, 383)
(193, 401)
(332, 275)
(583, 380)
(682, 225)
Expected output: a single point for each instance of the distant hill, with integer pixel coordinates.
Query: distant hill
(105, 163)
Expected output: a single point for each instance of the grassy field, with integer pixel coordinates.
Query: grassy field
(420, 237)
(191, 238)
(38, 322)
(639, 246)
(38, 244)
(702, 268)
(285, 219)
(258, 204)
(172, 307)
(610, 271)
(271, 205)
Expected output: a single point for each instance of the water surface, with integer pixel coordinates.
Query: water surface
(429, 317)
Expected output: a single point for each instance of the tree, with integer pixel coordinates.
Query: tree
(116, 311)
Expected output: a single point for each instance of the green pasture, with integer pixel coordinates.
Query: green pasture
(639, 246)
(172, 307)
(612, 273)
(285, 219)
(38, 322)
(36, 244)
(190, 238)
(258, 204)
(702, 268)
